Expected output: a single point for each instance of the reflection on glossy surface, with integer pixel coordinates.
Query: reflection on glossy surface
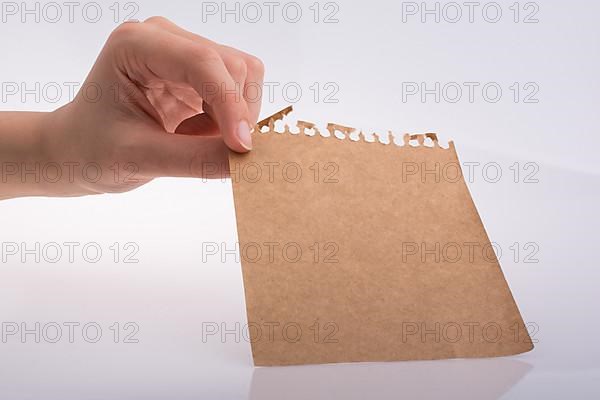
(449, 379)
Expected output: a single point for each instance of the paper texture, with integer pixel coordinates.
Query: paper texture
(363, 251)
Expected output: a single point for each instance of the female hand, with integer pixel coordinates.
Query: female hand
(159, 101)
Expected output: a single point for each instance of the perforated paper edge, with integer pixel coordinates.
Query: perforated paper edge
(342, 132)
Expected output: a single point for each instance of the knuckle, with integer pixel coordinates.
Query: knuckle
(124, 32)
(255, 64)
(207, 54)
(157, 20)
(237, 68)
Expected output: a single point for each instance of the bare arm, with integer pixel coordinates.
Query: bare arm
(159, 101)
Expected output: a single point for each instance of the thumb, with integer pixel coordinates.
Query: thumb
(175, 155)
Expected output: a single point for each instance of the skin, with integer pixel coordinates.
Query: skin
(159, 101)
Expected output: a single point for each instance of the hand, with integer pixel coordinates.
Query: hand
(159, 101)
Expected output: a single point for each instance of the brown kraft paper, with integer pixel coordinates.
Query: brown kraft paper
(355, 250)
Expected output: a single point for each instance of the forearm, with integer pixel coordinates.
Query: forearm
(173, 115)
(27, 167)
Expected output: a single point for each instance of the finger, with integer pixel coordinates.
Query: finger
(235, 64)
(178, 59)
(250, 75)
(253, 86)
(163, 155)
(166, 24)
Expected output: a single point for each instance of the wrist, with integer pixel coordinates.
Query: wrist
(58, 160)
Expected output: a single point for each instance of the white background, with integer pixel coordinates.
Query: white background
(369, 55)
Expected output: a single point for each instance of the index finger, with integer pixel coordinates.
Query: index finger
(146, 50)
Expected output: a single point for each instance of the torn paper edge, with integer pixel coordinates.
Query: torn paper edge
(342, 132)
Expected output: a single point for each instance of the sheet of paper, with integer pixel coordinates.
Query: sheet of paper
(364, 251)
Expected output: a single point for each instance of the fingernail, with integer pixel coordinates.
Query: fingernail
(244, 135)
